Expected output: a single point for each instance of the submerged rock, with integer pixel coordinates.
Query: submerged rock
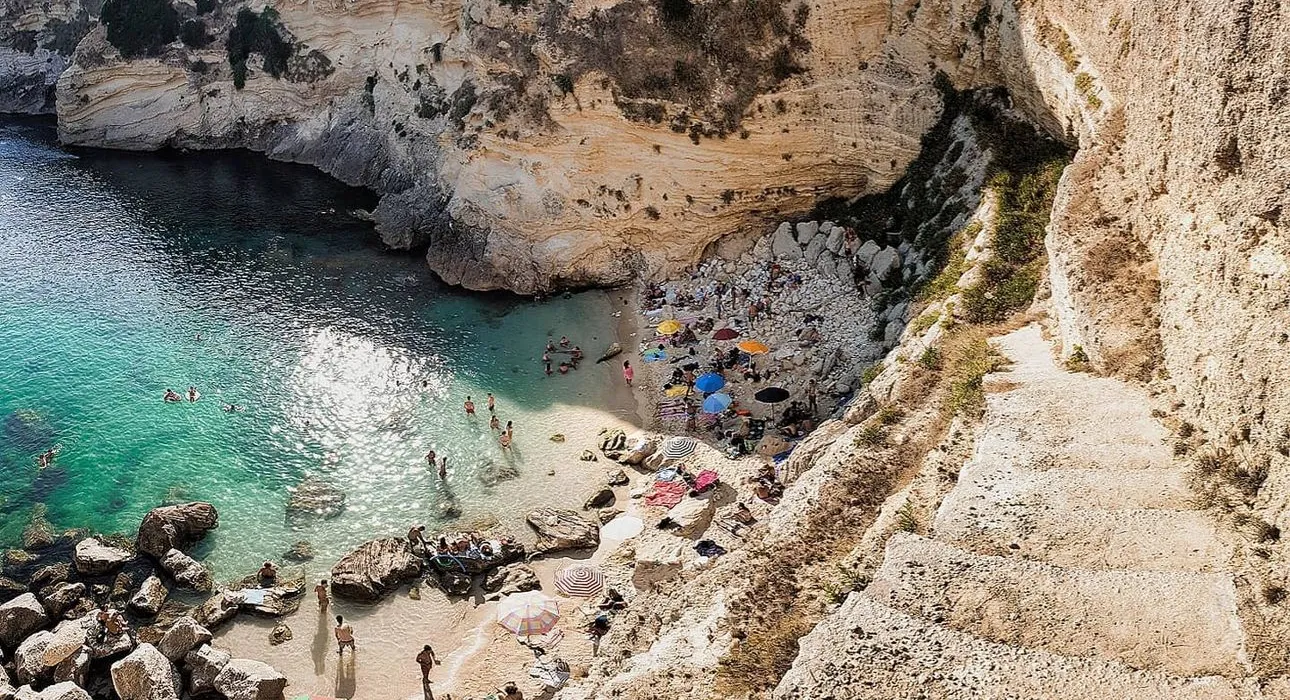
(314, 498)
(39, 532)
(562, 529)
(175, 527)
(374, 568)
(299, 552)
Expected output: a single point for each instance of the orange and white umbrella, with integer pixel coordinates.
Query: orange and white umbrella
(580, 581)
(528, 614)
(754, 347)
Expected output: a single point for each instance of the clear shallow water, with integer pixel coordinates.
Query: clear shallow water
(350, 362)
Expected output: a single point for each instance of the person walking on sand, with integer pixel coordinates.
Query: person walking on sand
(344, 636)
(470, 407)
(321, 591)
(628, 372)
(492, 403)
(426, 660)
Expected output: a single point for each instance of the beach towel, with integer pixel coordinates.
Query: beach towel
(705, 480)
(668, 474)
(779, 458)
(756, 430)
(666, 494)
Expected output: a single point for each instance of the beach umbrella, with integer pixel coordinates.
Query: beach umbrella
(754, 347)
(654, 355)
(675, 391)
(669, 327)
(580, 581)
(624, 527)
(725, 334)
(717, 403)
(771, 394)
(710, 382)
(528, 614)
(679, 447)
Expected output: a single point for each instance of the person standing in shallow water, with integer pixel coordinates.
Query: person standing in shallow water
(430, 459)
(344, 636)
(492, 403)
(470, 407)
(443, 467)
(628, 372)
(493, 423)
(321, 591)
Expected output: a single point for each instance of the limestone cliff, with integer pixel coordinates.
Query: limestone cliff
(541, 144)
(36, 41)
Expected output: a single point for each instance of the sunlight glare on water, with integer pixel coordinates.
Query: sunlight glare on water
(122, 275)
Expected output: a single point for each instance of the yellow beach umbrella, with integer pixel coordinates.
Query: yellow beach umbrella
(754, 347)
(668, 327)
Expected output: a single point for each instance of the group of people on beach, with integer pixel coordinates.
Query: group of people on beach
(574, 352)
(469, 544)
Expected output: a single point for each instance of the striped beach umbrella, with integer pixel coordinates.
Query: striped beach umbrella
(528, 614)
(580, 581)
(679, 447)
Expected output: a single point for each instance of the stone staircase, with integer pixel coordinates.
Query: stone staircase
(1065, 563)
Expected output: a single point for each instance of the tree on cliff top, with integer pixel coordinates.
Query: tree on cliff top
(257, 33)
(140, 27)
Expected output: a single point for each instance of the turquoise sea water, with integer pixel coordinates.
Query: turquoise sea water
(350, 362)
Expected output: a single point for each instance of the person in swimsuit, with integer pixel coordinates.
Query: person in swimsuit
(493, 423)
(426, 660)
(628, 372)
(443, 467)
(470, 407)
(430, 458)
(171, 397)
(192, 394)
(492, 402)
(344, 635)
(564, 341)
(321, 591)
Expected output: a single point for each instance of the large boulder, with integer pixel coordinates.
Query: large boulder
(19, 618)
(95, 558)
(204, 665)
(658, 560)
(50, 574)
(692, 516)
(246, 679)
(67, 640)
(29, 659)
(374, 568)
(512, 578)
(147, 601)
(146, 674)
(66, 690)
(562, 529)
(182, 637)
(175, 527)
(75, 669)
(217, 609)
(62, 597)
(783, 244)
(186, 571)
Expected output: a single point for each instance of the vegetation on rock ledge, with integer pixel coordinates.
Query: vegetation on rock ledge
(257, 33)
(140, 27)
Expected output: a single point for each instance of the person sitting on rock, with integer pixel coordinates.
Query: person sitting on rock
(268, 574)
(613, 601)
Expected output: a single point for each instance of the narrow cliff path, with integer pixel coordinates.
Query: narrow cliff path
(1066, 562)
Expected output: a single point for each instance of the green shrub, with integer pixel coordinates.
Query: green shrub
(907, 519)
(193, 34)
(257, 33)
(140, 27)
(930, 359)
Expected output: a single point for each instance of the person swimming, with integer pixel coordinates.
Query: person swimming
(576, 354)
(470, 407)
(493, 423)
(47, 458)
(564, 341)
(231, 408)
(564, 368)
(550, 346)
(506, 441)
(193, 395)
(171, 397)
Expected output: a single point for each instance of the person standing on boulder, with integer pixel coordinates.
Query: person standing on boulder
(344, 636)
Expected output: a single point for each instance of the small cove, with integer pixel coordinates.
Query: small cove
(349, 362)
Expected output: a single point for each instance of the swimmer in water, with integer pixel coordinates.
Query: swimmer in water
(550, 346)
(564, 341)
(47, 458)
(430, 458)
(470, 407)
(443, 467)
(231, 408)
(192, 394)
(171, 397)
(494, 424)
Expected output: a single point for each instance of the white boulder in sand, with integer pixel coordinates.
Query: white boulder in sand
(246, 679)
(374, 568)
(562, 529)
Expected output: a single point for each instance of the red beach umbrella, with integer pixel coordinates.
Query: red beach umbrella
(725, 334)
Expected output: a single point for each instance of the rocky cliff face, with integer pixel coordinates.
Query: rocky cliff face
(536, 144)
(36, 40)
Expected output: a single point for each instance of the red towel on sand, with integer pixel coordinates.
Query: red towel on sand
(706, 478)
(666, 493)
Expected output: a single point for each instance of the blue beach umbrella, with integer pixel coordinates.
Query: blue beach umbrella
(717, 403)
(710, 382)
